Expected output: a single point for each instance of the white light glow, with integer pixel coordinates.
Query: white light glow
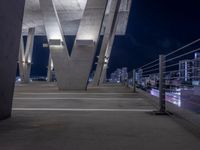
(55, 35)
(85, 42)
(55, 42)
(85, 36)
(52, 64)
(106, 60)
(29, 61)
(174, 97)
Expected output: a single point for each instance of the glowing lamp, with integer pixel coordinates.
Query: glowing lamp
(85, 42)
(55, 42)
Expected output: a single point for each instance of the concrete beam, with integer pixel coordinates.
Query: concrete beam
(107, 43)
(11, 16)
(72, 72)
(25, 56)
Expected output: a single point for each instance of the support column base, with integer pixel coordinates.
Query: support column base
(162, 113)
(5, 117)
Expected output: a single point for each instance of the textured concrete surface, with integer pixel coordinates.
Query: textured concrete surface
(11, 15)
(106, 118)
(70, 13)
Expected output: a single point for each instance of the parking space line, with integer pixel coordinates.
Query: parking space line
(82, 110)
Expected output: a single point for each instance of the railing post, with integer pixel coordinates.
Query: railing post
(162, 83)
(134, 78)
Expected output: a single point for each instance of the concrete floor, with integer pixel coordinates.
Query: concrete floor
(108, 118)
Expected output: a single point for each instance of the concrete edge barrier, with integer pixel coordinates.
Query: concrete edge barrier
(186, 118)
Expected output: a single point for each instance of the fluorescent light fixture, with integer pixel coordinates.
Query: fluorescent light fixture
(105, 60)
(55, 42)
(85, 42)
(45, 45)
(29, 61)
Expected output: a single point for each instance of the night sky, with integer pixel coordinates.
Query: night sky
(155, 27)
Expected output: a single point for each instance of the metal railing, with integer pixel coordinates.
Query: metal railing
(170, 73)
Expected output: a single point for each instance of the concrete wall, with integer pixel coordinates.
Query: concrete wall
(11, 15)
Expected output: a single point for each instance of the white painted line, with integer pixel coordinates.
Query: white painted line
(77, 109)
(18, 93)
(78, 98)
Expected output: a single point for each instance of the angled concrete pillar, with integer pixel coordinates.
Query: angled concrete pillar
(107, 41)
(25, 56)
(110, 45)
(11, 15)
(21, 59)
(50, 69)
(103, 78)
(107, 56)
(72, 72)
(59, 53)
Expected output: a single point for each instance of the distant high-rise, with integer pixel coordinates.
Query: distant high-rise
(185, 70)
(115, 76)
(120, 75)
(124, 74)
(196, 67)
(139, 76)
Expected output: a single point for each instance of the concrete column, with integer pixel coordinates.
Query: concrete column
(107, 42)
(50, 69)
(21, 59)
(162, 67)
(103, 76)
(11, 15)
(25, 56)
(72, 73)
(107, 55)
(59, 53)
(28, 54)
(110, 45)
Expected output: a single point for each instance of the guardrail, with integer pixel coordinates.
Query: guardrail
(169, 74)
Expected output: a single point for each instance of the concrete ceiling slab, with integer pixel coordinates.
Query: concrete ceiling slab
(70, 13)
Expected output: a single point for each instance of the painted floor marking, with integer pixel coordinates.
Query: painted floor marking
(86, 110)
